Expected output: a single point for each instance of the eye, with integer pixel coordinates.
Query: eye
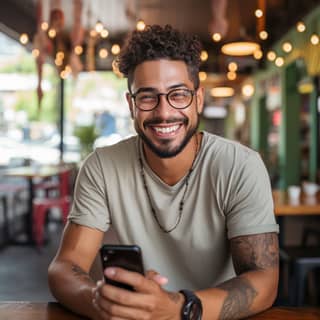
(146, 97)
(179, 95)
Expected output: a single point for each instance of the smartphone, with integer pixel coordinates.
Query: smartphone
(125, 256)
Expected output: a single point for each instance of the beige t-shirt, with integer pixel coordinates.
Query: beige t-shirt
(229, 195)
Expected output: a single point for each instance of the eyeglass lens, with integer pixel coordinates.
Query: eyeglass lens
(177, 98)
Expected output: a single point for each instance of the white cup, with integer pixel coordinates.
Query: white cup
(294, 192)
(310, 188)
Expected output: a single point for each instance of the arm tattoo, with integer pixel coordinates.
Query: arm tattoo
(255, 252)
(239, 299)
(174, 296)
(249, 253)
(77, 271)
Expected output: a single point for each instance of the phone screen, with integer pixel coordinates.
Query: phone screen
(124, 256)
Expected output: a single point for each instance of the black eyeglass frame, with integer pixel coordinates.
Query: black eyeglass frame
(193, 93)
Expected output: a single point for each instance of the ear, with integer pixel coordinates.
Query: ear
(200, 99)
(130, 104)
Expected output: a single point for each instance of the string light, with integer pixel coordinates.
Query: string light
(216, 37)
(258, 13)
(115, 49)
(93, 33)
(44, 26)
(263, 35)
(24, 38)
(35, 53)
(247, 90)
(258, 54)
(63, 74)
(287, 47)
(99, 27)
(232, 66)
(68, 69)
(271, 55)
(78, 50)
(58, 62)
(314, 39)
(103, 53)
(231, 75)
(202, 76)
(52, 33)
(301, 27)
(140, 25)
(279, 62)
(104, 33)
(60, 55)
(204, 55)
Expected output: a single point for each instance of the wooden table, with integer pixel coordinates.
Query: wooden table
(54, 311)
(30, 173)
(304, 206)
(284, 207)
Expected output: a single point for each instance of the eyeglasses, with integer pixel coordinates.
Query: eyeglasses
(177, 98)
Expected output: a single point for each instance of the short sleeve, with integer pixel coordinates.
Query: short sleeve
(90, 205)
(250, 208)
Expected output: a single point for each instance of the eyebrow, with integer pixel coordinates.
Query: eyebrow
(152, 89)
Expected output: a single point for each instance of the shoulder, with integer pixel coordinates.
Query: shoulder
(224, 152)
(120, 147)
(111, 156)
(124, 149)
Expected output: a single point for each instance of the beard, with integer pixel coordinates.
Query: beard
(164, 150)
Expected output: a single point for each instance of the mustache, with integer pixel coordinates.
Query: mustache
(157, 120)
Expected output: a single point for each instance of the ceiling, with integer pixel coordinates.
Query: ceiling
(193, 16)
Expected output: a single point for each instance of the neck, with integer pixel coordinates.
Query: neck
(171, 170)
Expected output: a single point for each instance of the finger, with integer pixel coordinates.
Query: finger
(127, 298)
(115, 311)
(136, 280)
(157, 277)
(101, 314)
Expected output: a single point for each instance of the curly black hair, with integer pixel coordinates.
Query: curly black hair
(156, 42)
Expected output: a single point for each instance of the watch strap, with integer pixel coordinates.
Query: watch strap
(191, 302)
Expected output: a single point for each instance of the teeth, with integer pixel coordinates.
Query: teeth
(166, 129)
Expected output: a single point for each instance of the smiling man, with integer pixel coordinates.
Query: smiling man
(199, 206)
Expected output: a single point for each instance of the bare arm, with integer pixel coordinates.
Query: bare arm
(256, 262)
(69, 278)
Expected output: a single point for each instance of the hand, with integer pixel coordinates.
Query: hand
(148, 301)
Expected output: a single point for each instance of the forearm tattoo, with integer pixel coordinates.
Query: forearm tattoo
(77, 271)
(249, 253)
(239, 299)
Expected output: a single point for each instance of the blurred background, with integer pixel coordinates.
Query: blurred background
(61, 95)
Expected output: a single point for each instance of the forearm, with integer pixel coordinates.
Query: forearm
(72, 287)
(244, 295)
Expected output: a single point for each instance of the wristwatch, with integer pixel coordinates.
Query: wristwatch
(192, 308)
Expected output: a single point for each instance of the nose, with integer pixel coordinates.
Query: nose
(163, 109)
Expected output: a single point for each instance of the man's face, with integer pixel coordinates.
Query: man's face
(165, 130)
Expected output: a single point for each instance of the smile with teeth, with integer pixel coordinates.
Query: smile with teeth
(166, 129)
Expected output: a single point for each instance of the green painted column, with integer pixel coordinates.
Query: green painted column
(259, 124)
(314, 145)
(255, 123)
(289, 131)
(264, 125)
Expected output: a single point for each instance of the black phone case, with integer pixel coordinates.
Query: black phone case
(124, 256)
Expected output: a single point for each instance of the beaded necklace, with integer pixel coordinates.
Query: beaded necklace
(181, 204)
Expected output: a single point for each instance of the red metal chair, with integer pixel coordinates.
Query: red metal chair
(42, 206)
